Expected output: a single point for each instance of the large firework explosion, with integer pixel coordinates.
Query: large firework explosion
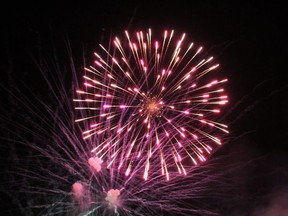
(55, 172)
(151, 104)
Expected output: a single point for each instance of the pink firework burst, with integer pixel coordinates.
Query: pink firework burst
(151, 104)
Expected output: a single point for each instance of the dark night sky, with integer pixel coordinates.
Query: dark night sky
(247, 39)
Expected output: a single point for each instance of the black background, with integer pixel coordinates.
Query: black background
(247, 39)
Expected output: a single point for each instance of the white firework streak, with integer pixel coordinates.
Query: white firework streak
(151, 105)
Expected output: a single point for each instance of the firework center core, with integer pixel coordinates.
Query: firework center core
(152, 106)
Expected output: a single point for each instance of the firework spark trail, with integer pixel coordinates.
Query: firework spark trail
(62, 177)
(152, 104)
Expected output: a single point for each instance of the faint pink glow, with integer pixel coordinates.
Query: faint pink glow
(78, 191)
(95, 163)
(112, 197)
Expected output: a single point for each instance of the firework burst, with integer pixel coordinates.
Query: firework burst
(156, 125)
(58, 175)
(149, 104)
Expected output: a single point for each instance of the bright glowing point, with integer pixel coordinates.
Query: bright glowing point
(156, 88)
